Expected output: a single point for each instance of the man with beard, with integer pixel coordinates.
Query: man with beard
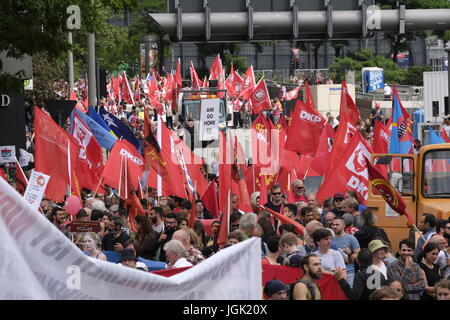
(58, 217)
(115, 239)
(443, 259)
(170, 226)
(427, 225)
(407, 271)
(306, 288)
(156, 218)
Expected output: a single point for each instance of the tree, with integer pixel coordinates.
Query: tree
(338, 46)
(34, 26)
(365, 58)
(401, 42)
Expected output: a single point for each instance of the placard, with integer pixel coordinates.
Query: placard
(391, 213)
(209, 119)
(84, 226)
(7, 154)
(36, 188)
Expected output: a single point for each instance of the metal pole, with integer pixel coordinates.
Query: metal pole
(448, 73)
(97, 77)
(92, 89)
(70, 62)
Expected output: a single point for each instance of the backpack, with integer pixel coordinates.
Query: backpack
(310, 287)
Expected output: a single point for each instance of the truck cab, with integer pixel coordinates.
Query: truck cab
(423, 180)
(190, 102)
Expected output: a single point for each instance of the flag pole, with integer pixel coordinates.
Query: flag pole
(418, 231)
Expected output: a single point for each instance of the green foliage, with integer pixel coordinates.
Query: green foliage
(239, 63)
(414, 75)
(365, 58)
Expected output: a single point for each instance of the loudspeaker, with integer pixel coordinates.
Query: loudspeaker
(213, 83)
(102, 83)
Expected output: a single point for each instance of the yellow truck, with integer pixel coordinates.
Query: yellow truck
(422, 179)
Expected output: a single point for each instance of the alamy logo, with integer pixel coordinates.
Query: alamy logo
(74, 20)
(374, 280)
(373, 18)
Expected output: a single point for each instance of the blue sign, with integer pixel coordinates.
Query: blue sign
(373, 80)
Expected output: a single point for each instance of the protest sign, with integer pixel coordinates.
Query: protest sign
(7, 154)
(209, 119)
(36, 188)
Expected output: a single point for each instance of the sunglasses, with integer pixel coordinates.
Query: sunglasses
(276, 193)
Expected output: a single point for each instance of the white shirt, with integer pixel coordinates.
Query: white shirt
(381, 268)
(159, 228)
(387, 90)
(182, 262)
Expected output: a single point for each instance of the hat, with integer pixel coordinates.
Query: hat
(295, 261)
(128, 254)
(339, 196)
(273, 286)
(375, 245)
(377, 104)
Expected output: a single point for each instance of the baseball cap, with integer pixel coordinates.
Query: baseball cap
(273, 286)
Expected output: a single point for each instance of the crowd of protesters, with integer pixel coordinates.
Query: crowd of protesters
(340, 236)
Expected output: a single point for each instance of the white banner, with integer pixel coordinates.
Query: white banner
(7, 154)
(36, 188)
(39, 262)
(209, 119)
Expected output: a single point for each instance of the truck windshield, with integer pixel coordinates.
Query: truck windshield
(436, 174)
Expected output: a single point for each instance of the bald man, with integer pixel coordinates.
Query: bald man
(194, 255)
(310, 228)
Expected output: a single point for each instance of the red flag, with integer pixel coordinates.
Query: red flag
(381, 137)
(160, 159)
(210, 200)
(348, 106)
(350, 171)
(280, 216)
(115, 170)
(260, 98)
(323, 152)
(127, 95)
(115, 87)
(195, 80)
(215, 72)
(21, 179)
(248, 83)
(282, 124)
(263, 198)
(444, 135)
(237, 175)
(293, 94)
(308, 96)
(387, 191)
(79, 105)
(345, 132)
(3, 175)
(90, 159)
(134, 209)
(51, 154)
(262, 131)
(224, 188)
(305, 129)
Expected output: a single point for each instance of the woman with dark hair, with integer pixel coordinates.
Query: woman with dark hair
(330, 259)
(201, 212)
(432, 271)
(267, 229)
(199, 229)
(147, 242)
(363, 287)
(368, 230)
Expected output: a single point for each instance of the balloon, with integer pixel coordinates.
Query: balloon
(73, 205)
